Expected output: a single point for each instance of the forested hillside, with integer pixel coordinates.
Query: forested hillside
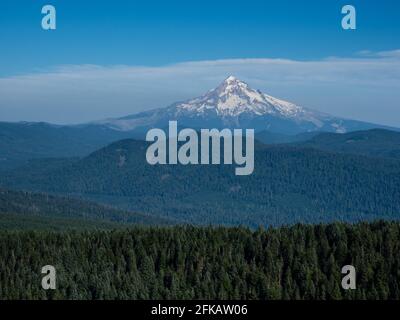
(268, 137)
(300, 262)
(26, 210)
(24, 141)
(372, 143)
(289, 185)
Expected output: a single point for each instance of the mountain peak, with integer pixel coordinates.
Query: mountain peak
(234, 104)
(230, 78)
(234, 97)
(232, 82)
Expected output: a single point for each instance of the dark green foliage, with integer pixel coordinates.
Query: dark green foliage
(289, 185)
(373, 143)
(298, 262)
(29, 222)
(21, 210)
(268, 137)
(23, 141)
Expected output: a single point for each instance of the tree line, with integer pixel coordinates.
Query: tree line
(184, 262)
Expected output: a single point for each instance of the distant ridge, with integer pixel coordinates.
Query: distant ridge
(373, 143)
(234, 104)
(49, 211)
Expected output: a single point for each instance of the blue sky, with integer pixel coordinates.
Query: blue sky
(156, 52)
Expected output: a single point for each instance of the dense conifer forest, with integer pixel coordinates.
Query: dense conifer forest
(297, 262)
(26, 210)
(115, 227)
(289, 185)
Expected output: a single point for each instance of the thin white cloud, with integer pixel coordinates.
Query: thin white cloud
(386, 54)
(365, 87)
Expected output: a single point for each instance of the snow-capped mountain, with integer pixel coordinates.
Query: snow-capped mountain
(234, 97)
(233, 104)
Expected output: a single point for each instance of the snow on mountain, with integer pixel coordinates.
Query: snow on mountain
(233, 97)
(234, 104)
